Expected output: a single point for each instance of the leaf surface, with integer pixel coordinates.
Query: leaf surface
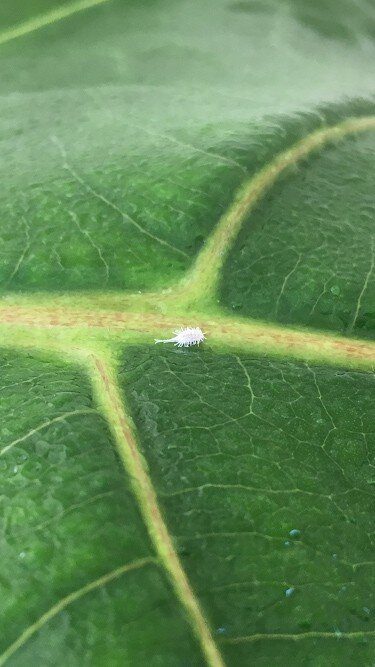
(265, 474)
(68, 519)
(295, 260)
(166, 165)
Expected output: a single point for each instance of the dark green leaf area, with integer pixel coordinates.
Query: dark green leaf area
(125, 197)
(130, 222)
(67, 518)
(18, 11)
(265, 469)
(307, 254)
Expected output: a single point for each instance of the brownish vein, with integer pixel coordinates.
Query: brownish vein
(222, 330)
(110, 400)
(200, 283)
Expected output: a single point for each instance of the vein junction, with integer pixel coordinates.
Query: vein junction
(79, 326)
(138, 317)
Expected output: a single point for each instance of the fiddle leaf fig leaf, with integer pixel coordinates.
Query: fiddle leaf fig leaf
(204, 166)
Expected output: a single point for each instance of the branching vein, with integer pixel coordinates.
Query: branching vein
(69, 599)
(112, 205)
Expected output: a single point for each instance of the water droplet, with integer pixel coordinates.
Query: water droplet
(294, 532)
(335, 290)
(221, 631)
(22, 554)
(287, 543)
(289, 592)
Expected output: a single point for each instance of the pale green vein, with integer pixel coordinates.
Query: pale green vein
(200, 283)
(59, 517)
(241, 487)
(364, 287)
(23, 253)
(42, 20)
(285, 282)
(280, 636)
(111, 204)
(190, 147)
(44, 425)
(69, 599)
(229, 534)
(234, 585)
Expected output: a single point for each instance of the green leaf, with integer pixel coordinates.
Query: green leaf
(186, 164)
(295, 260)
(265, 474)
(68, 519)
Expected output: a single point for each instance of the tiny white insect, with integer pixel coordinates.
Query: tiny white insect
(185, 337)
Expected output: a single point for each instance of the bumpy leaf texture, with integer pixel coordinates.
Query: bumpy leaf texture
(169, 164)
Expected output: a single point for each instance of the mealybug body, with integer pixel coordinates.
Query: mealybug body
(185, 337)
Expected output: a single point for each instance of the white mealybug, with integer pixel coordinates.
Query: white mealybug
(185, 337)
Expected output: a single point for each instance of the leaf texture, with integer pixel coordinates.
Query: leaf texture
(167, 165)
